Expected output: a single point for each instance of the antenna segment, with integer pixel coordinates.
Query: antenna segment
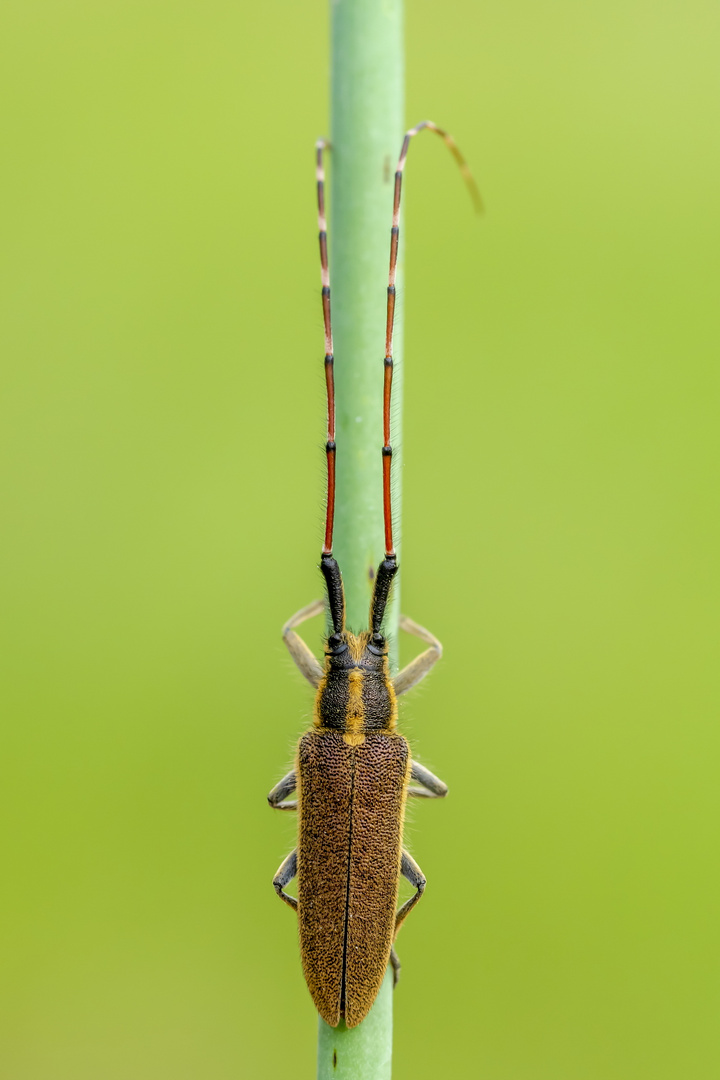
(320, 145)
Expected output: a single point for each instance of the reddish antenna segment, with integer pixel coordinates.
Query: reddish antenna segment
(394, 240)
(320, 145)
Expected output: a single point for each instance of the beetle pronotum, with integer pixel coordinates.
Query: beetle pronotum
(353, 769)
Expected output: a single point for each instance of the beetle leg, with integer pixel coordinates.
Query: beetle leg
(410, 870)
(396, 966)
(281, 791)
(285, 874)
(418, 668)
(432, 786)
(301, 653)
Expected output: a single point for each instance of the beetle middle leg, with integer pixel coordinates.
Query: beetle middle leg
(418, 668)
(432, 786)
(280, 792)
(286, 872)
(412, 872)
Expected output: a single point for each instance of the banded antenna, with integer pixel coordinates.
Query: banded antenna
(394, 238)
(320, 145)
(328, 565)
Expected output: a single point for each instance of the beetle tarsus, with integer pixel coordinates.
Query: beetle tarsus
(280, 792)
(396, 966)
(412, 873)
(286, 872)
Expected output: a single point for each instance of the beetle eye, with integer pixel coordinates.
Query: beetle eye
(336, 645)
(376, 645)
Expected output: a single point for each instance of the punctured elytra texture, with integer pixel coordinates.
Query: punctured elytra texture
(351, 801)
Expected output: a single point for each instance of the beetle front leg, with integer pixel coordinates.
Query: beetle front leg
(303, 656)
(286, 872)
(412, 872)
(418, 668)
(281, 791)
(432, 786)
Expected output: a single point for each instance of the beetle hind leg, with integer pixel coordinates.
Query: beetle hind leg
(281, 791)
(396, 966)
(412, 872)
(286, 872)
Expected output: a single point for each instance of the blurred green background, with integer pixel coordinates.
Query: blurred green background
(162, 516)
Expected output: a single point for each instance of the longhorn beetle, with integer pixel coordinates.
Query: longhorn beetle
(353, 769)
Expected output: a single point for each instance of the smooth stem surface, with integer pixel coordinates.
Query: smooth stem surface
(367, 107)
(367, 131)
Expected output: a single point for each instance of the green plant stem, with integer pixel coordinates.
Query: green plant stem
(361, 1053)
(367, 107)
(367, 128)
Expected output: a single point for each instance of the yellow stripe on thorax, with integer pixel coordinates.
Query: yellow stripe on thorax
(392, 719)
(318, 698)
(355, 712)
